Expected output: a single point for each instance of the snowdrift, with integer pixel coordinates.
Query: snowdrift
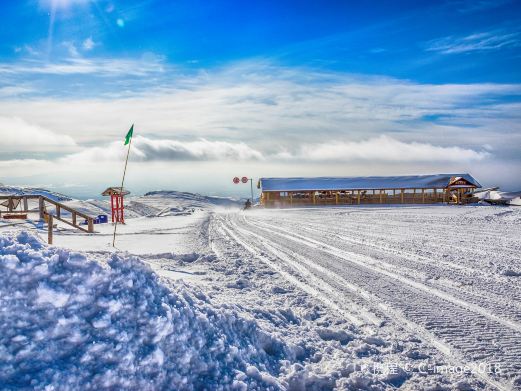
(73, 323)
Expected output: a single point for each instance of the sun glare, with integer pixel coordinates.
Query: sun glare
(61, 4)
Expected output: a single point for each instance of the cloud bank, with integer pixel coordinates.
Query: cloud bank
(17, 135)
(387, 149)
(381, 149)
(145, 149)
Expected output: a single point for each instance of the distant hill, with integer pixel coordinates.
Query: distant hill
(195, 199)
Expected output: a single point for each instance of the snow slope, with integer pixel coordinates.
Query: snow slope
(369, 298)
(71, 323)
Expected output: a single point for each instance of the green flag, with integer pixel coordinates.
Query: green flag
(129, 135)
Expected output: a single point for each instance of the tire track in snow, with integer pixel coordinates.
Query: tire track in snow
(492, 293)
(311, 289)
(382, 268)
(445, 341)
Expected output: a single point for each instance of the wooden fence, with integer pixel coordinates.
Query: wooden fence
(19, 204)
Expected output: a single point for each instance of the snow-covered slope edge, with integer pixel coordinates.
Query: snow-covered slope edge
(21, 190)
(73, 323)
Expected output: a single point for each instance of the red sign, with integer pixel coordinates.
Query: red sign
(236, 180)
(244, 179)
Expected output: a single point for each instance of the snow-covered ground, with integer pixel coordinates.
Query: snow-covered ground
(413, 297)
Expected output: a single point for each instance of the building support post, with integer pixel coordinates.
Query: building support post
(402, 191)
(358, 197)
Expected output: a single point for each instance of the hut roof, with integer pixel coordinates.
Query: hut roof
(363, 183)
(115, 190)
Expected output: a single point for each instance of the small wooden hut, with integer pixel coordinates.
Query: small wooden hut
(117, 205)
(413, 189)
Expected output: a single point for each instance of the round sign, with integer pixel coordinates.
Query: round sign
(236, 180)
(244, 179)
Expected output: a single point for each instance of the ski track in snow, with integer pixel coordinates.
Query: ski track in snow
(376, 266)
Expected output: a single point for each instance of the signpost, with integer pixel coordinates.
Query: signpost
(245, 179)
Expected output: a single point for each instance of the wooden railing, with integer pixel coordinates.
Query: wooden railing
(43, 201)
(355, 197)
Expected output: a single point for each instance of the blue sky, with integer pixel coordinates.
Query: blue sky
(222, 88)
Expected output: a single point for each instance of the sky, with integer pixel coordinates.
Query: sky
(218, 89)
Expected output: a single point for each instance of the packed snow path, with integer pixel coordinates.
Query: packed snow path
(450, 275)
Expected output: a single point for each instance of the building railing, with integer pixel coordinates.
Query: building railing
(357, 197)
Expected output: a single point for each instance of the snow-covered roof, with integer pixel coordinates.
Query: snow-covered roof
(362, 183)
(115, 190)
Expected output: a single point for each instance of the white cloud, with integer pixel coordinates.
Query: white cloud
(380, 149)
(17, 135)
(145, 149)
(14, 90)
(76, 65)
(385, 149)
(88, 44)
(491, 40)
(71, 48)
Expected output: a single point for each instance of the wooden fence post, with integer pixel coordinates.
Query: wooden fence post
(41, 207)
(49, 229)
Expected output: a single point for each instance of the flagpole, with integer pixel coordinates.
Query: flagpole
(122, 183)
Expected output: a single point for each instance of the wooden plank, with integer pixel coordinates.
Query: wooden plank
(69, 223)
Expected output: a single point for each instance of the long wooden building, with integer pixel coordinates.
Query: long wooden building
(415, 189)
